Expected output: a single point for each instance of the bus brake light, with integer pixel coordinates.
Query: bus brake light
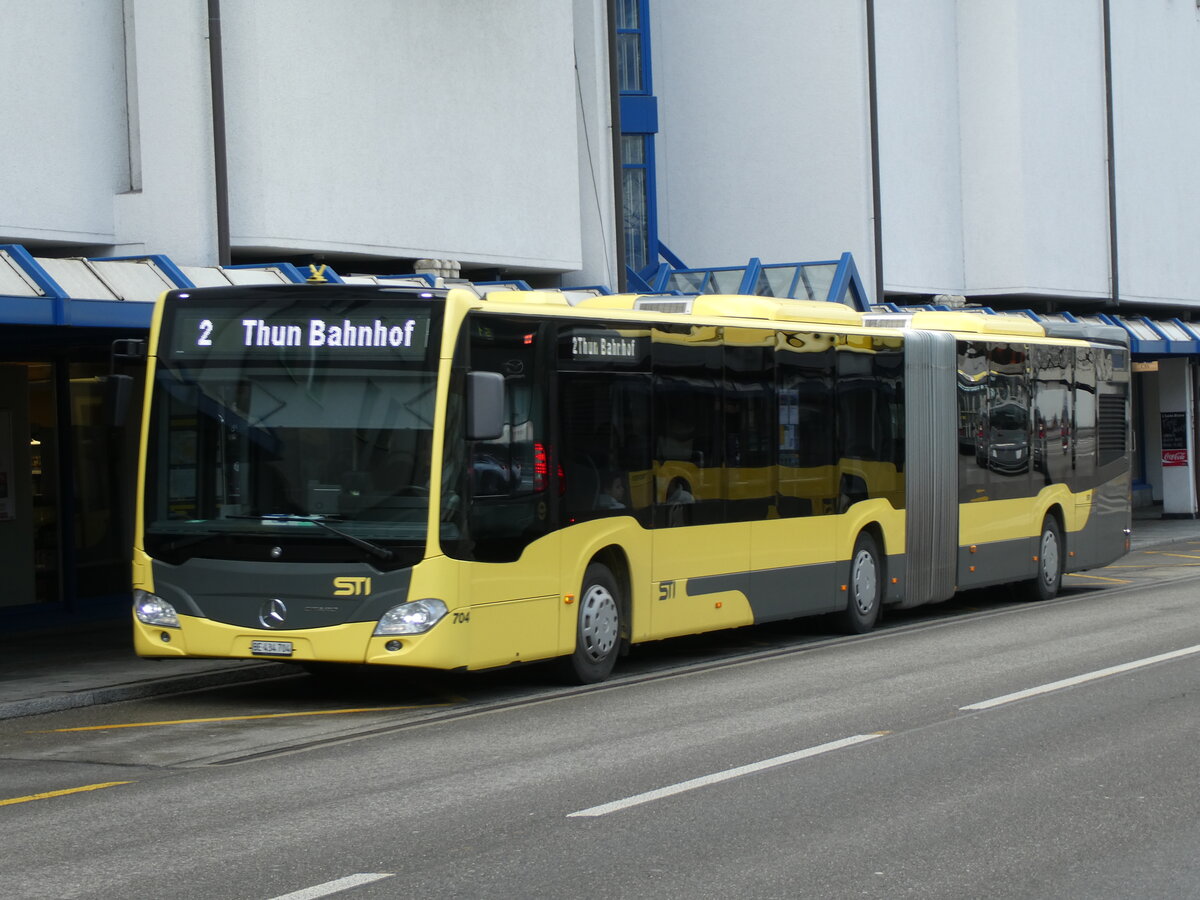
(541, 468)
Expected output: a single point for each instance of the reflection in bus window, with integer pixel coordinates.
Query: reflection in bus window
(505, 480)
(870, 423)
(604, 423)
(804, 395)
(688, 432)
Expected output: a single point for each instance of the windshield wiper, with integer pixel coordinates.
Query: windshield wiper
(374, 549)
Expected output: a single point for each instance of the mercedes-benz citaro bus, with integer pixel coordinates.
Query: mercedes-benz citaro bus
(427, 478)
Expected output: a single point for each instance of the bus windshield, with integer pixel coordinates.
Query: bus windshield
(289, 452)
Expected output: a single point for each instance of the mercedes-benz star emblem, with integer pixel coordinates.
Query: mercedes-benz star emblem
(272, 613)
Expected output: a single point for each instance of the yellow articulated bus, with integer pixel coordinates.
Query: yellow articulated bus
(424, 478)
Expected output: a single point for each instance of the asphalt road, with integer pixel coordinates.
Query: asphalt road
(985, 749)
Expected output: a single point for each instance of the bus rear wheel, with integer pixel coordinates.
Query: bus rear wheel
(1049, 565)
(865, 586)
(597, 628)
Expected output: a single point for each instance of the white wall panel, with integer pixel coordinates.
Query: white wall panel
(1156, 98)
(171, 131)
(596, 183)
(919, 145)
(424, 128)
(1031, 114)
(764, 131)
(63, 142)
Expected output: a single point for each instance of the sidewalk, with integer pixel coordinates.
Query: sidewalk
(1150, 528)
(46, 672)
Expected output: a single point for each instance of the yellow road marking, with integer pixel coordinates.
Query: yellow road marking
(48, 794)
(1183, 555)
(290, 715)
(1148, 565)
(1099, 578)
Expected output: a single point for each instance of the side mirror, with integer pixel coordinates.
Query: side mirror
(485, 406)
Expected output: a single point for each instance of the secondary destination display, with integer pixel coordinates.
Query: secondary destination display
(590, 347)
(605, 346)
(235, 333)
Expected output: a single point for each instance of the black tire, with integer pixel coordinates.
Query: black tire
(597, 628)
(1049, 565)
(864, 585)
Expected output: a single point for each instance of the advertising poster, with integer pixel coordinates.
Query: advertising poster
(1174, 439)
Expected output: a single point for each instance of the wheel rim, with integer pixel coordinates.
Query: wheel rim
(1049, 557)
(598, 622)
(865, 581)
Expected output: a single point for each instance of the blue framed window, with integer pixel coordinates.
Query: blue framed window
(637, 182)
(633, 42)
(639, 124)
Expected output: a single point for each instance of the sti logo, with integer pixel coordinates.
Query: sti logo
(352, 586)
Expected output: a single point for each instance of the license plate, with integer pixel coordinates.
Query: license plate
(271, 648)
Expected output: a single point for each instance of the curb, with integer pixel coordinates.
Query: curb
(173, 684)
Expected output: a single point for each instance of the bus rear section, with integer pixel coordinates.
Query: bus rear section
(1023, 454)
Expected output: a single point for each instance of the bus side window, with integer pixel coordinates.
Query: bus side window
(804, 397)
(1053, 369)
(1008, 422)
(688, 426)
(604, 421)
(506, 496)
(972, 407)
(749, 421)
(1084, 458)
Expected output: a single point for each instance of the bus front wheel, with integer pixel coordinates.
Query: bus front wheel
(597, 629)
(865, 586)
(1049, 564)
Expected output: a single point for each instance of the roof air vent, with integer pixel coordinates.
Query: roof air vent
(677, 305)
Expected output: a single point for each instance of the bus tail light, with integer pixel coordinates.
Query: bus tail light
(151, 609)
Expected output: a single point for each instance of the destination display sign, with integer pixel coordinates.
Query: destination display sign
(605, 346)
(228, 332)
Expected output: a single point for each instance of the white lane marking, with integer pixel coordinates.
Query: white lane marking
(717, 777)
(1081, 679)
(334, 887)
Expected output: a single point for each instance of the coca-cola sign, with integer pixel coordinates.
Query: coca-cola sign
(1174, 458)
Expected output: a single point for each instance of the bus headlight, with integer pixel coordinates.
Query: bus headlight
(153, 610)
(416, 617)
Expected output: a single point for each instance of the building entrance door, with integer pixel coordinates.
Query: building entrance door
(29, 520)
